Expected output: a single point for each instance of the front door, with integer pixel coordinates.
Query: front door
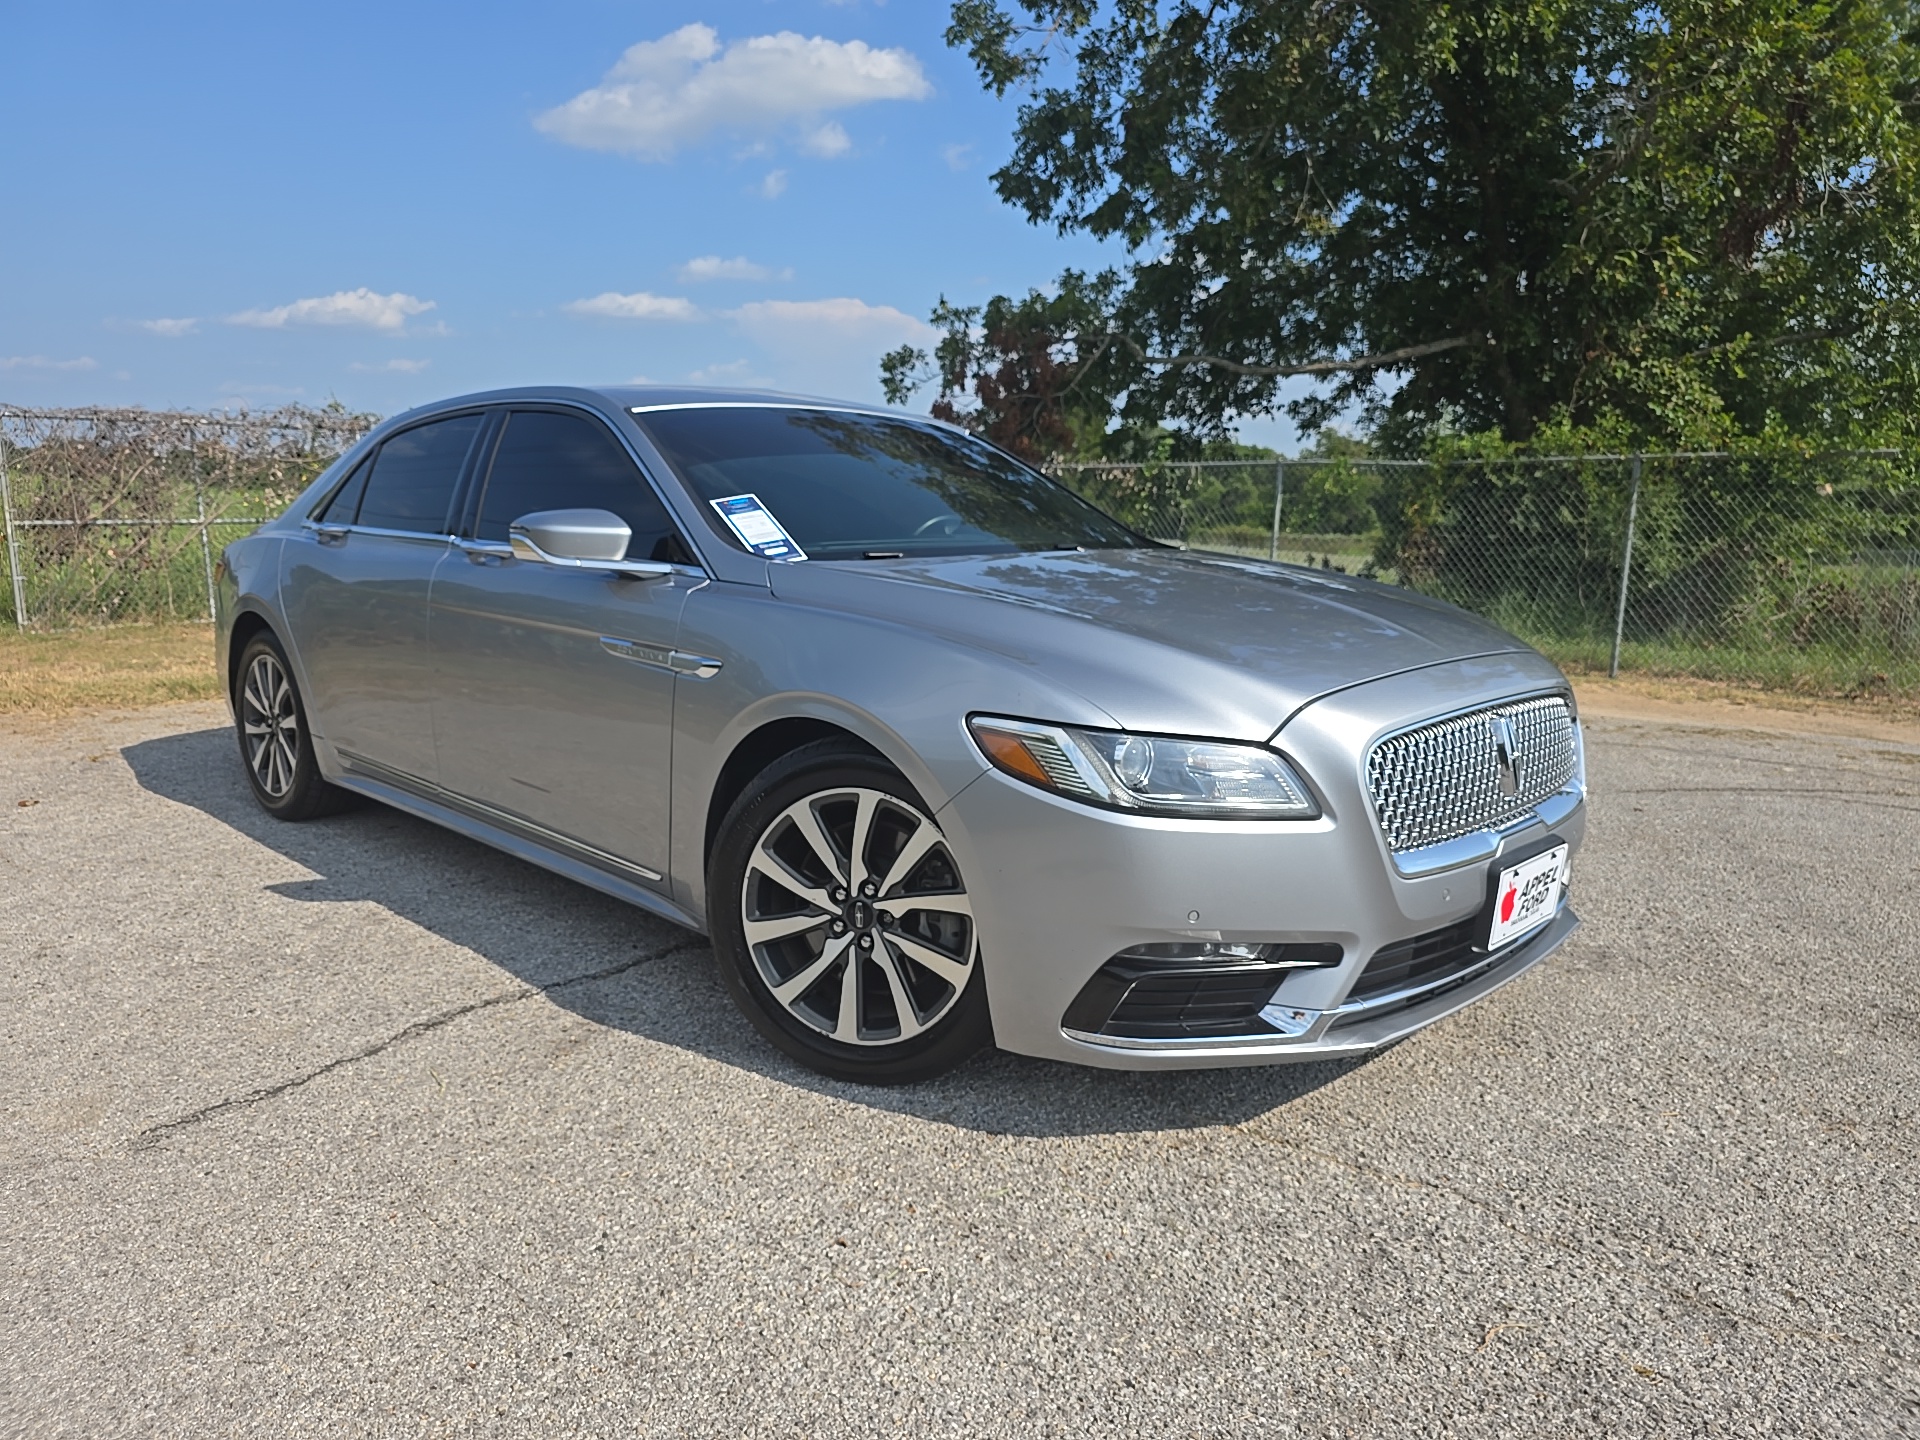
(355, 586)
(554, 688)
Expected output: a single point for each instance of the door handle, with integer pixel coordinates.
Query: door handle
(331, 534)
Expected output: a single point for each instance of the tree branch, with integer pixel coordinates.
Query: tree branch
(1315, 367)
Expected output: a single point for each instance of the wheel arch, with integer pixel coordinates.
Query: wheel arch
(246, 625)
(760, 748)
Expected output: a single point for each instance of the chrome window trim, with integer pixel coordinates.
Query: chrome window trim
(322, 527)
(761, 405)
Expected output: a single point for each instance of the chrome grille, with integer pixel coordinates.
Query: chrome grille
(1440, 781)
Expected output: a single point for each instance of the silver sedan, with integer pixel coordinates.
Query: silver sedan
(937, 753)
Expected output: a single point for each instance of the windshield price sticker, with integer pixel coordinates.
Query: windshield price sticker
(757, 528)
(1527, 896)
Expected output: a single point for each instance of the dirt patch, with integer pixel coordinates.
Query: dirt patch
(1705, 702)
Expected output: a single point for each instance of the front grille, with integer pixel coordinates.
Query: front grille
(1440, 781)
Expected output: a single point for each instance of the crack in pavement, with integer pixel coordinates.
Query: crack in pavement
(148, 1138)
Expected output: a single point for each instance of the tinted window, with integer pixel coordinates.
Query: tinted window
(551, 461)
(414, 475)
(847, 485)
(345, 500)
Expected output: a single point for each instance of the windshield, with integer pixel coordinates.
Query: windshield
(850, 486)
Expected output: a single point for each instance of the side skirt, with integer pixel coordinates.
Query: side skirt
(443, 809)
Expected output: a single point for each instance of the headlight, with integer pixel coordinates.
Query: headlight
(1152, 774)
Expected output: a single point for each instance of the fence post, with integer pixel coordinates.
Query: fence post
(206, 546)
(1626, 569)
(1279, 489)
(13, 547)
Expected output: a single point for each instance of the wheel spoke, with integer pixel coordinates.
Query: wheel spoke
(764, 932)
(911, 854)
(902, 1005)
(846, 1025)
(953, 971)
(865, 804)
(940, 904)
(255, 693)
(766, 863)
(808, 824)
(802, 980)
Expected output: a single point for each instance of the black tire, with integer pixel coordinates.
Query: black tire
(919, 975)
(276, 747)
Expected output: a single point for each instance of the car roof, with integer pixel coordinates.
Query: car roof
(646, 397)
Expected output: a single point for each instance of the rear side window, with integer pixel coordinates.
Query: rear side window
(552, 461)
(344, 503)
(411, 486)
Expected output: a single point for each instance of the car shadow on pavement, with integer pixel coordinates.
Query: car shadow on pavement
(617, 966)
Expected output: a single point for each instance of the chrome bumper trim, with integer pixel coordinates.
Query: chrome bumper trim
(1485, 844)
(1304, 1033)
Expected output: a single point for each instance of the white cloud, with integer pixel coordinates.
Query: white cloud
(391, 367)
(172, 329)
(730, 372)
(42, 362)
(826, 347)
(360, 307)
(712, 267)
(776, 323)
(774, 186)
(958, 157)
(637, 306)
(676, 91)
(827, 140)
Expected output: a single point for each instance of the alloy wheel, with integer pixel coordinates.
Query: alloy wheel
(856, 918)
(270, 725)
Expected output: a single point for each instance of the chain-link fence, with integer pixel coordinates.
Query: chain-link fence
(117, 515)
(1796, 571)
(1792, 571)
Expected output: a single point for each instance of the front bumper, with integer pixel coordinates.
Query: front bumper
(1060, 888)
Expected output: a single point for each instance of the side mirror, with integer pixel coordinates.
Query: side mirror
(580, 540)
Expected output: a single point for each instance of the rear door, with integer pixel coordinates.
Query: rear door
(554, 688)
(355, 594)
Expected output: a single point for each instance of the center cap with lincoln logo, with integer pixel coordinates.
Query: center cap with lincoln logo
(860, 914)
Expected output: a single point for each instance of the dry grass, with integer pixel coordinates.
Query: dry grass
(122, 667)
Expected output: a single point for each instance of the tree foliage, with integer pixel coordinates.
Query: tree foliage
(1691, 219)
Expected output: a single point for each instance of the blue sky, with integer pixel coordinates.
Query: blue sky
(222, 204)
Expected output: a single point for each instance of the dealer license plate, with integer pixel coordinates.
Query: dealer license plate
(1527, 895)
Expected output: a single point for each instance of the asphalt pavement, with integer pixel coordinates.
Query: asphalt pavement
(359, 1128)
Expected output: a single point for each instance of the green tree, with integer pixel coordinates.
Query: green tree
(1691, 219)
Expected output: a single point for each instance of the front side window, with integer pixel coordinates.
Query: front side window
(850, 486)
(547, 460)
(411, 486)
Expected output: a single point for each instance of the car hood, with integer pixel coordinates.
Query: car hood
(1163, 639)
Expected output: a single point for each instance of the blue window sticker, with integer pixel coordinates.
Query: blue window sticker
(757, 528)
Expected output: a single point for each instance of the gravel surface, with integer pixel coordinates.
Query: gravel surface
(357, 1128)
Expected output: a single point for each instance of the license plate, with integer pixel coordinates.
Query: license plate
(1527, 895)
